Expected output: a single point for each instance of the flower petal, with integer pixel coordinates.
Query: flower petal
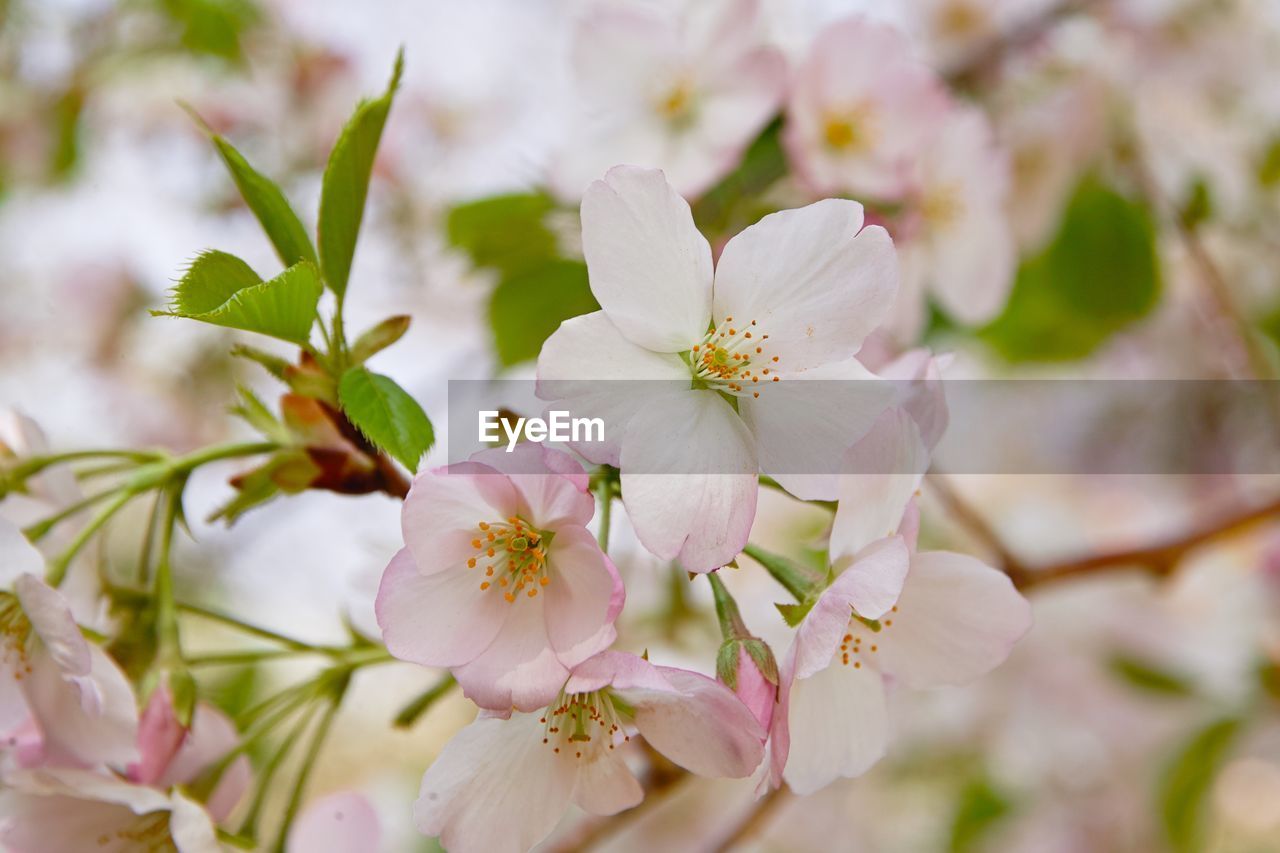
(881, 474)
(444, 507)
(803, 429)
(495, 788)
(606, 785)
(869, 586)
(621, 670)
(344, 822)
(56, 628)
(17, 555)
(519, 669)
(212, 735)
(957, 619)
(814, 280)
(691, 499)
(84, 720)
(440, 619)
(190, 827)
(703, 727)
(839, 726)
(583, 598)
(551, 484)
(650, 269)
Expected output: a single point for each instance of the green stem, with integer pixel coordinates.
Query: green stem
(770, 483)
(37, 531)
(731, 625)
(255, 630)
(36, 464)
(57, 570)
(191, 461)
(604, 490)
(308, 763)
(799, 580)
(246, 656)
(250, 824)
(410, 713)
(169, 649)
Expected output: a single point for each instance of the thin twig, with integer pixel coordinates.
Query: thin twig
(977, 526)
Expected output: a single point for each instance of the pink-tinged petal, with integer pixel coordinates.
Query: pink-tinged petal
(909, 529)
(212, 735)
(190, 826)
(869, 586)
(583, 598)
(66, 810)
(650, 269)
(881, 474)
(814, 280)
(496, 788)
(85, 720)
(552, 485)
(520, 669)
(440, 619)
(606, 785)
(692, 498)
(344, 822)
(620, 670)
(159, 737)
(589, 366)
(917, 379)
(754, 690)
(739, 99)
(973, 264)
(18, 556)
(703, 727)
(957, 619)
(617, 52)
(56, 628)
(838, 724)
(802, 430)
(444, 508)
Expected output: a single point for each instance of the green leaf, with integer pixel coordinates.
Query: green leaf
(266, 200)
(1099, 274)
(222, 290)
(213, 27)
(1148, 677)
(1187, 780)
(527, 308)
(793, 614)
(735, 202)
(256, 414)
(981, 806)
(507, 232)
(386, 415)
(273, 364)
(346, 183)
(380, 337)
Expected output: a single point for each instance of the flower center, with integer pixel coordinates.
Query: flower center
(960, 19)
(515, 557)
(579, 724)
(15, 630)
(852, 645)
(676, 104)
(851, 130)
(942, 206)
(733, 357)
(148, 833)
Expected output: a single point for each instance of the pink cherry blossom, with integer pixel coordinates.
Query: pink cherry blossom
(792, 297)
(862, 109)
(499, 578)
(344, 822)
(503, 784)
(684, 88)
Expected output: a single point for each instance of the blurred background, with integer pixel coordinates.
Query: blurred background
(1077, 189)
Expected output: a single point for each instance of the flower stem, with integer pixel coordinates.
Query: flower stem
(799, 580)
(169, 649)
(731, 625)
(37, 531)
(308, 762)
(410, 713)
(604, 490)
(58, 566)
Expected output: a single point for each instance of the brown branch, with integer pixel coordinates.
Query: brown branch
(756, 819)
(971, 520)
(985, 58)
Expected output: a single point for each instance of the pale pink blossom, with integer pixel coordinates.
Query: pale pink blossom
(344, 822)
(754, 688)
(791, 297)
(503, 784)
(499, 578)
(863, 108)
(956, 242)
(683, 87)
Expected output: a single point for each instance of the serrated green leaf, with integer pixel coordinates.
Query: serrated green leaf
(1099, 274)
(273, 364)
(508, 233)
(793, 614)
(1187, 780)
(346, 183)
(528, 307)
(267, 202)
(386, 415)
(222, 290)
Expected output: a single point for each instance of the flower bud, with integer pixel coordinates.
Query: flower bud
(748, 668)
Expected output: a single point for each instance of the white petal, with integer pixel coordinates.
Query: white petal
(689, 479)
(17, 555)
(957, 619)
(519, 669)
(496, 788)
(591, 366)
(190, 826)
(839, 726)
(804, 424)
(882, 473)
(56, 628)
(703, 727)
(606, 785)
(87, 719)
(617, 52)
(584, 596)
(650, 268)
(814, 280)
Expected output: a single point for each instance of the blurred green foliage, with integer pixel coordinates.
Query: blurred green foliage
(1148, 677)
(213, 27)
(735, 202)
(1099, 274)
(1186, 781)
(981, 805)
